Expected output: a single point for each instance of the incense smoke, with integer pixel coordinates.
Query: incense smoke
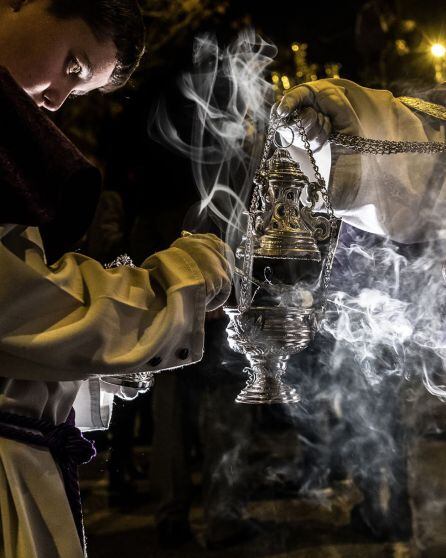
(232, 100)
(388, 304)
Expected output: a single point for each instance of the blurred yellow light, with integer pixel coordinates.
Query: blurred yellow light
(275, 78)
(295, 47)
(286, 82)
(402, 47)
(408, 25)
(438, 50)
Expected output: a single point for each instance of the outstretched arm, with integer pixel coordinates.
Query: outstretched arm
(75, 319)
(400, 196)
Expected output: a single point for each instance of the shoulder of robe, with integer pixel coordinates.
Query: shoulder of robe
(14, 236)
(6, 229)
(30, 233)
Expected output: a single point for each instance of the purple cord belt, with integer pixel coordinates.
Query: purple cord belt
(66, 444)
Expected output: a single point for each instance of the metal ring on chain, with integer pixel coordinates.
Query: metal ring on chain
(280, 145)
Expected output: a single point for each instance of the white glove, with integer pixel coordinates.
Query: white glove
(325, 106)
(215, 261)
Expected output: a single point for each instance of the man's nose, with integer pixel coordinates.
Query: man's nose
(56, 94)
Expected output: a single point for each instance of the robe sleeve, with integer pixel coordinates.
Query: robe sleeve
(402, 196)
(75, 320)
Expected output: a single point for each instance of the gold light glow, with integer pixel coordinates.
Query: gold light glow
(402, 47)
(286, 82)
(438, 50)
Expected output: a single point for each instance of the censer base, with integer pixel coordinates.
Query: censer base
(268, 391)
(268, 336)
(265, 384)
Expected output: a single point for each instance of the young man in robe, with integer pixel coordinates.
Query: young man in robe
(65, 325)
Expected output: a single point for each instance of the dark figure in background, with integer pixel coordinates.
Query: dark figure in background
(107, 238)
(392, 47)
(369, 437)
(200, 410)
(193, 409)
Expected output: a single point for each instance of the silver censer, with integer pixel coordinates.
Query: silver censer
(282, 225)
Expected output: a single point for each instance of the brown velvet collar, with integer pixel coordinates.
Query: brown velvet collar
(45, 181)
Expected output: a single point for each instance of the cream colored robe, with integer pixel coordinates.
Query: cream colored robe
(61, 327)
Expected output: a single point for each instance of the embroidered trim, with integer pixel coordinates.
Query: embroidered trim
(120, 261)
(432, 109)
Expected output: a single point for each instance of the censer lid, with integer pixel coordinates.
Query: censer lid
(285, 233)
(283, 167)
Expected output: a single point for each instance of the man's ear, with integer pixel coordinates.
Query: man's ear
(17, 5)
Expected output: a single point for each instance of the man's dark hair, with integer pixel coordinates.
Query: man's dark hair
(118, 20)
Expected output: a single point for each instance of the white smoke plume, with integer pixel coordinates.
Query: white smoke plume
(232, 100)
(388, 303)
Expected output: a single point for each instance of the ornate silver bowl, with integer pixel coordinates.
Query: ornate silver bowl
(268, 336)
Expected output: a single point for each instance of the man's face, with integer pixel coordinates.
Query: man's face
(52, 58)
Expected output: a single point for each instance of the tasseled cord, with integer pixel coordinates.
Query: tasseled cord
(66, 444)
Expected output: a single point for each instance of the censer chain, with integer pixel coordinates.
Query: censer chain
(328, 266)
(259, 184)
(385, 147)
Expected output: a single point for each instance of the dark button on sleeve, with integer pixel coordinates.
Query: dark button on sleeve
(155, 361)
(182, 354)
